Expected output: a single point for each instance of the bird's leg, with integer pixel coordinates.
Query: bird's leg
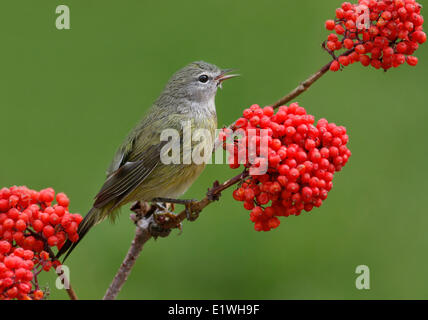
(191, 213)
(162, 207)
(162, 213)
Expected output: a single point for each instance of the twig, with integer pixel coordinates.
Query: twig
(147, 227)
(71, 294)
(305, 85)
(65, 281)
(142, 235)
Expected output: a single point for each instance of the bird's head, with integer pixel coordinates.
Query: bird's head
(198, 81)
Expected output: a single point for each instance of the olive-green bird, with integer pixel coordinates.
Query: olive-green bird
(137, 172)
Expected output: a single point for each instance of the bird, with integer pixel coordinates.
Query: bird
(137, 172)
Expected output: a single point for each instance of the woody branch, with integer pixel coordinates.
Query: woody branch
(147, 226)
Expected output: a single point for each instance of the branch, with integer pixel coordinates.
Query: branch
(65, 281)
(71, 294)
(303, 86)
(142, 235)
(149, 225)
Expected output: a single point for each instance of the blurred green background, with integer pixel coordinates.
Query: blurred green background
(68, 98)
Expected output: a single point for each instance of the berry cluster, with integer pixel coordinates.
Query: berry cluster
(380, 33)
(30, 227)
(301, 159)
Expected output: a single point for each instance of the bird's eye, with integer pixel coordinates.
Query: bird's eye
(203, 78)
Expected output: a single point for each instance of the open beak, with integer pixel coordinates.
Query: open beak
(225, 76)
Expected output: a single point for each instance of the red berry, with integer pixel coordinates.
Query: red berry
(8, 224)
(360, 49)
(4, 205)
(268, 111)
(348, 43)
(412, 61)
(365, 60)
(46, 195)
(62, 200)
(395, 29)
(12, 293)
(5, 247)
(301, 158)
(419, 36)
(330, 24)
(38, 225)
(20, 225)
(344, 60)
(38, 295)
(54, 219)
(52, 241)
(335, 66)
(238, 195)
(331, 45)
(48, 231)
(240, 123)
(339, 29)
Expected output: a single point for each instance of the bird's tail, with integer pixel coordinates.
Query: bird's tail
(94, 216)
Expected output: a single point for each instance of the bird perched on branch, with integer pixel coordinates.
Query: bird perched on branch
(137, 172)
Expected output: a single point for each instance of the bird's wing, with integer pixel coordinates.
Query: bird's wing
(129, 175)
(134, 161)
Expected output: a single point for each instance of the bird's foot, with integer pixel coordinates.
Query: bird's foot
(192, 212)
(162, 216)
(162, 207)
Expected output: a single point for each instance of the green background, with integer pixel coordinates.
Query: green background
(68, 98)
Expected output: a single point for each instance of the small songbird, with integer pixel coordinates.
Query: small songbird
(137, 172)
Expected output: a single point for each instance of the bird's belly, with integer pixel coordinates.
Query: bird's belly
(171, 181)
(183, 182)
(171, 185)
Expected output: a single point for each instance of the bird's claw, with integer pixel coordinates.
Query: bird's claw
(162, 216)
(191, 207)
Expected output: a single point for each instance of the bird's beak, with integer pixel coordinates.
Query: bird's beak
(225, 76)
